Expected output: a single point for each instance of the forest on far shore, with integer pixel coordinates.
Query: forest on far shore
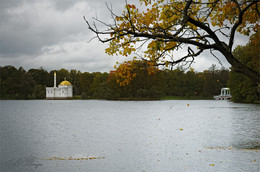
(31, 84)
(140, 80)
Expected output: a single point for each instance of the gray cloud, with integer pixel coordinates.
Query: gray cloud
(33, 25)
(52, 34)
(64, 4)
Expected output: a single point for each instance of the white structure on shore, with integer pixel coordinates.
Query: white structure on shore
(63, 91)
(224, 95)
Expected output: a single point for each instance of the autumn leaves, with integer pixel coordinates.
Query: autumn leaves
(159, 28)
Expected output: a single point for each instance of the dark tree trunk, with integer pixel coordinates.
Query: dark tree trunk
(237, 65)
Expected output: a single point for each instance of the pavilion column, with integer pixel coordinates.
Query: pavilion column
(54, 79)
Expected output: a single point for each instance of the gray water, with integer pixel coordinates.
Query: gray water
(93, 136)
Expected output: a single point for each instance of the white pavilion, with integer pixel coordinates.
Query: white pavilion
(224, 94)
(63, 91)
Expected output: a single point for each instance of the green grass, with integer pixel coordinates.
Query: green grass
(77, 97)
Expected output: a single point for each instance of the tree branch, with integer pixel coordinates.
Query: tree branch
(183, 59)
(240, 20)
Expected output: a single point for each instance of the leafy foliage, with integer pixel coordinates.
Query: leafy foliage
(163, 27)
(127, 71)
(243, 88)
(139, 79)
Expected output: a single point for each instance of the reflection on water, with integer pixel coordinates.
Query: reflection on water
(77, 135)
(246, 130)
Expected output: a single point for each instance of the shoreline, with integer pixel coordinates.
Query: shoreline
(120, 99)
(133, 99)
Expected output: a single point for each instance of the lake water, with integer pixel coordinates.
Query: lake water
(116, 136)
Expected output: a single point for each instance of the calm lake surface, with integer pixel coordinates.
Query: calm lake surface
(97, 136)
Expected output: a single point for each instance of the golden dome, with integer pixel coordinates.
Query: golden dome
(65, 83)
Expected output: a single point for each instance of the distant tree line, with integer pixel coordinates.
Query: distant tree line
(31, 84)
(137, 80)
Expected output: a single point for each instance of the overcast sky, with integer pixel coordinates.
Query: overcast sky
(52, 34)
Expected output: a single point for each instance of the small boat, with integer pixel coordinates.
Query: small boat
(224, 95)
